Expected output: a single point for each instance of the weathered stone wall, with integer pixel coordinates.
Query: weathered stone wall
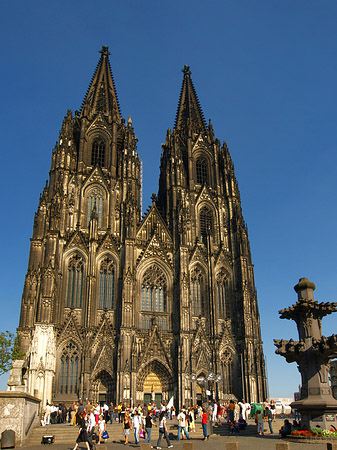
(18, 412)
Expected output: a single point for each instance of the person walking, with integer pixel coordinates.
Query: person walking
(126, 426)
(136, 422)
(163, 431)
(181, 417)
(101, 428)
(204, 423)
(149, 423)
(82, 433)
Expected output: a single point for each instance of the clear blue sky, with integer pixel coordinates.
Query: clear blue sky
(265, 73)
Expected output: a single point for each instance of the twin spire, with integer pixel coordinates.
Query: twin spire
(101, 97)
(189, 110)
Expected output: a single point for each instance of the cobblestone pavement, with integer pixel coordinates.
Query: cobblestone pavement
(214, 443)
(248, 440)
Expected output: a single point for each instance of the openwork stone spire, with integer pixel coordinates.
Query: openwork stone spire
(101, 96)
(189, 114)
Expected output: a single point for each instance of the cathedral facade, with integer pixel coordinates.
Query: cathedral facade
(120, 306)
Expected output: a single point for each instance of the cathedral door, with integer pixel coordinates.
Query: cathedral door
(103, 388)
(153, 388)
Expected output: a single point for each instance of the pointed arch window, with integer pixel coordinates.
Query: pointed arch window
(69, 369)
(154, 290)
(198, 293)
(202, 170)
(75, 282)
(95, 200)
(106, 284)
(206, 222)
(221, 296)
(98, 153)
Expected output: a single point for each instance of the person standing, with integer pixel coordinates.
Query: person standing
(136, 422)
(119, 411)
(111, 412)
(148, 427)
(259, 419)
(47, 414)
(214, 412)
(163, 431)
(191, 415)
(273, 409)
(97, 412)
(269, 415)
(181, 417)
(204, 423)
(231, 409)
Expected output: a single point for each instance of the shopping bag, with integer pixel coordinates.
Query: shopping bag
(105, 435)
(142, 434)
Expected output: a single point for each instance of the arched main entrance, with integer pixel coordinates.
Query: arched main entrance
(154, 384)
(103, 388)
(152, 389)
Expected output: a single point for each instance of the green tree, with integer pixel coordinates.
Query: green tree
(9, 350)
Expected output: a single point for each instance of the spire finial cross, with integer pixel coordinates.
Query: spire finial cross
(105, 50)
(186, 70)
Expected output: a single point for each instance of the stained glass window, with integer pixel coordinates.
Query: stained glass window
(197, 293)
(206, 222)
(98, 153)
(154, 289)
(69, 369)
(106, 284)
(202, 170)
(75, 282)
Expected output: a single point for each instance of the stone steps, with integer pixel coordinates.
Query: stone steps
(64, 433)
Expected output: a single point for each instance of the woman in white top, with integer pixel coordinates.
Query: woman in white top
(163, 431)
(97, 412)
(101, 428)
(136, 422)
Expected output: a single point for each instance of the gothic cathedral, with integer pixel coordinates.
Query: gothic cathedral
(123, 307)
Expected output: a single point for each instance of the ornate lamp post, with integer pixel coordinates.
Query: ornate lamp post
(207, 383)
(312, 354)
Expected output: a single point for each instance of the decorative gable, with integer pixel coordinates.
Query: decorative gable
(198, 254)
(70, 328)
(154, 223)
(108, 243)
(96, 177)
(155, 249)
(206, 195)
(99, 124)
(224, 258)
(154, 349)
(77, 240)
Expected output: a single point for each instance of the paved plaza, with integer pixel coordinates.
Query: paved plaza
(248, 439)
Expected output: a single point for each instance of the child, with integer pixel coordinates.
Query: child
(101, 428)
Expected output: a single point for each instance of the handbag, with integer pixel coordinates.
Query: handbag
(105, 435)
(142, 434)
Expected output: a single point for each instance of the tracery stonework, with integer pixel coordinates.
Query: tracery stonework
(134, 305)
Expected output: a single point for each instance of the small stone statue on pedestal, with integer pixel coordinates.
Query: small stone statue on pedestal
(312, 354)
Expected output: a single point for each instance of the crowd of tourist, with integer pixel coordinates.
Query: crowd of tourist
(139, 420)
